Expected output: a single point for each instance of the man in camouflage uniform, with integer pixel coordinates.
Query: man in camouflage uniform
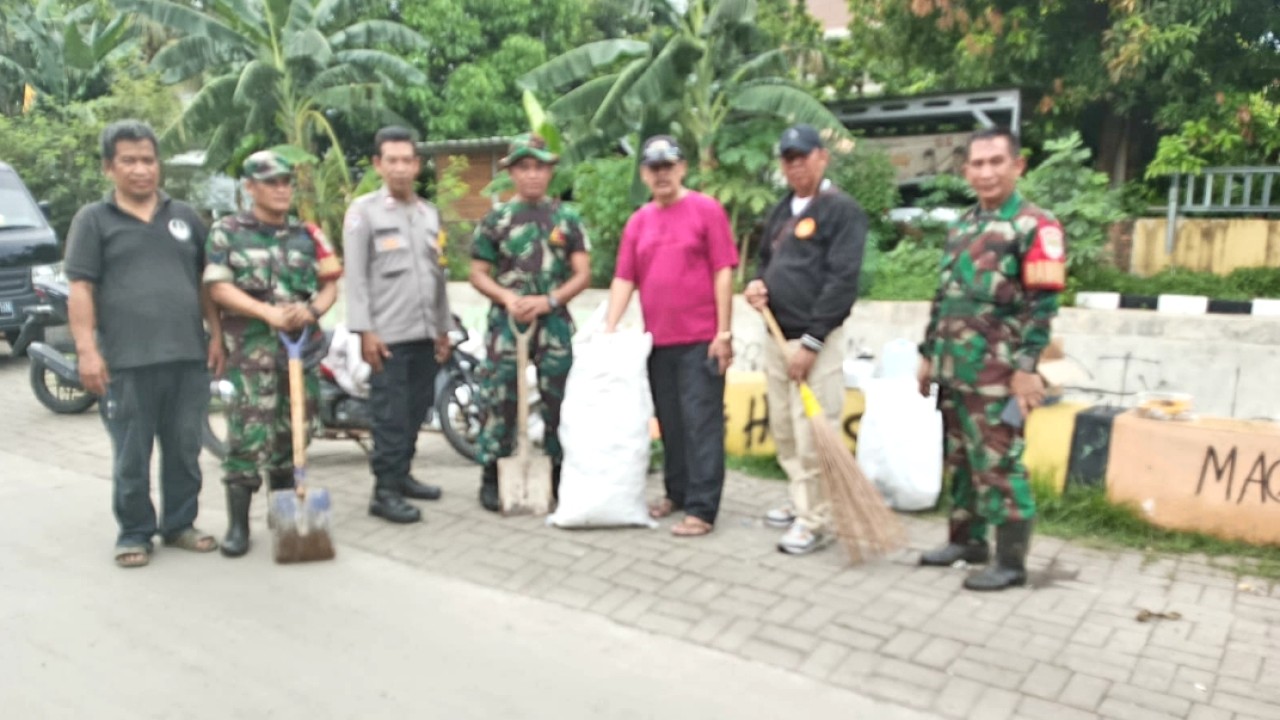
(1002, 270)
(267, 273)
(530, 258)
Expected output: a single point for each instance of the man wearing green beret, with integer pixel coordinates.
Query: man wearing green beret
(268, 273)
(529, 257)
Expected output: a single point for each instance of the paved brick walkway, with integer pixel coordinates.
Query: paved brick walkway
(1068, 647)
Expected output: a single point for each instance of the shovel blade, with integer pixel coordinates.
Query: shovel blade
(299, 524)
(524, 486)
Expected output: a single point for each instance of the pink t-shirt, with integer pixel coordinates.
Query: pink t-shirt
(672, 255)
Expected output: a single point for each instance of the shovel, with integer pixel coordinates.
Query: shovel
(299, 518)
(524, 481)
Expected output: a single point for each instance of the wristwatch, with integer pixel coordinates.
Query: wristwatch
(552, 302)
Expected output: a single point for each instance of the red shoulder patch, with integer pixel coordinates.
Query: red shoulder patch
(328, 267)
(1045, 265)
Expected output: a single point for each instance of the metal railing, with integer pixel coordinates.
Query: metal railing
(1216, 192)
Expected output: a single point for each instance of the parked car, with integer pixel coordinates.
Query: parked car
(29, 252)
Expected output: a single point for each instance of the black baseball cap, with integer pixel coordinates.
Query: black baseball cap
(660, 150)
(801, 138)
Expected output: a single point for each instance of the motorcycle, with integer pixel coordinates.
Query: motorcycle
(54, 377)
(342, 414)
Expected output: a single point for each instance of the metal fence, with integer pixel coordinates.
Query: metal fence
(1222, 190)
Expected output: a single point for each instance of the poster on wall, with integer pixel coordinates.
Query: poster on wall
(916, 157)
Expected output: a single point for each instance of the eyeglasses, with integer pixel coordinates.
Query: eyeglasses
(660, 154)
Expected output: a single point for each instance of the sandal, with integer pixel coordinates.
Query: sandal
(661, 508)
(132, 556)
(691, 526)
(193, 540)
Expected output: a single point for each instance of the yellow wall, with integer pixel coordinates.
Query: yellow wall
(1218, 246)
(747, 418)
(1049, 429)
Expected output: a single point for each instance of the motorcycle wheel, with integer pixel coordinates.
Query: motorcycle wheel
(459, 414)
(58, 396)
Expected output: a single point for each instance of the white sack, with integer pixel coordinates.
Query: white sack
(604, 430)
(900, 443)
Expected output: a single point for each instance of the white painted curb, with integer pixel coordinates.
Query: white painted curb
(1098, 300)
(1183, 304)
(1266, 307)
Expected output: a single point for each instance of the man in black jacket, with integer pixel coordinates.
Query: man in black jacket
(810, 258)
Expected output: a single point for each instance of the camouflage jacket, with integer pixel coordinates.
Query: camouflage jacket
(1000, 276)
(272, 264)
(529, 244)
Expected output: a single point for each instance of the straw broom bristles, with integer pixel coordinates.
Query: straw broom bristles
(864, 523)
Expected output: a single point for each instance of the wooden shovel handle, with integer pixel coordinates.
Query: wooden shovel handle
(298, 412)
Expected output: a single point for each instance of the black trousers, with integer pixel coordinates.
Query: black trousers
(688, 394)
(167, 402)
(399, 398)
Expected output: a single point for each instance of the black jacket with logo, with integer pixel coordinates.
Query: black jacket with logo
(811, 262)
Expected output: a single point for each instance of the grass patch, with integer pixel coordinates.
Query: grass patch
(756, 466)
(1085, 515)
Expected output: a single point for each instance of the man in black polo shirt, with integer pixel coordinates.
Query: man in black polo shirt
(810, 257)
(134, 260)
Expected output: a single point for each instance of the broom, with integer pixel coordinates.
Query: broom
(864, 523)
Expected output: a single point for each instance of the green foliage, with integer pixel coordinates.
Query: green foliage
(1241, 130)
(1078, 196)
(706, 66)
(478, 49)
(1120, 71)
(1086, 514)
(54, 149)
(1240, 284)
(284, 70)
(450, 189)
(601, 191)
(907, 272)
(65, 53)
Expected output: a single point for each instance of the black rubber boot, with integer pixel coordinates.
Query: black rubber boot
(1013, 539)
(555, 481)
(236, 543)
(391, 505)
(415, 490)
(489, 499)
(960, 546)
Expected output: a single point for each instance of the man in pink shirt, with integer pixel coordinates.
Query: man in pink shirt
(678, 251)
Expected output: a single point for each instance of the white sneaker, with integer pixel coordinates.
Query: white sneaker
(800, 540)
(780, 517)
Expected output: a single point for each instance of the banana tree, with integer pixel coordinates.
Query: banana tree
(64, 56)
(282, 70)
(704, 66)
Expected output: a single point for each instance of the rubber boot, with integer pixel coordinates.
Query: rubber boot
(236, 543)
(489, 499)
(555, 481)
(1013, 539)
(960, 546)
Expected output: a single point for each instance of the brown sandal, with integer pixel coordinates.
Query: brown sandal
(661, 508)
(691, 526)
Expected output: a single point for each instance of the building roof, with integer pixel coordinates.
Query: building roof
(833, 15)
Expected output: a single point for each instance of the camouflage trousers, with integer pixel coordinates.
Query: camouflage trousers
(259, 437)
(551, 352)
(984, 456)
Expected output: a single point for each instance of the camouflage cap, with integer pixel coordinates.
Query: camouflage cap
(528, 145)
(265, 164)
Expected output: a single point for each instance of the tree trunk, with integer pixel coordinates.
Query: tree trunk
(1114, 146)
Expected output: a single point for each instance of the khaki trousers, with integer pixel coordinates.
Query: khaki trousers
(791, 429)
